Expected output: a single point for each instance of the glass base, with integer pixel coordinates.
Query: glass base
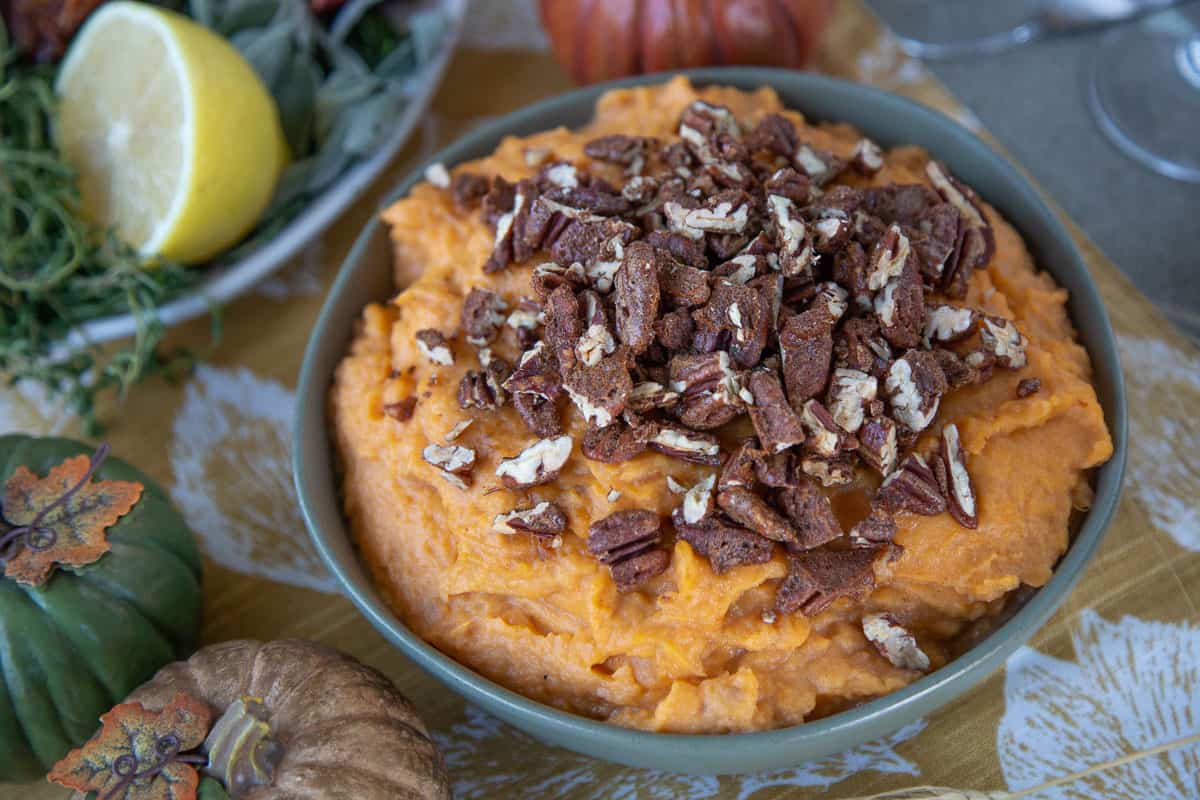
(1145, 92)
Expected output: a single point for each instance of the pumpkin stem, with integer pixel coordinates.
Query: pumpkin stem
(241, 753)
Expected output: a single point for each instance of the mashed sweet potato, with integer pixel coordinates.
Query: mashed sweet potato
(690, 651)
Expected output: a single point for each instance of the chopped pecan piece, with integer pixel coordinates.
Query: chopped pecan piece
(591, 242)
(548, 276)
(868, 157)
(951, 470)
(735, 314)
(539, 414)
(724, 545)
(563, 326)
(795, 243)
(850, 394)
(775, 422)
(806, 348)
(777, 470)
(831, 298)
(875, 529)
(900, 307)
(817, 578)
(596, 341)
(958, 372)
(401, 410)
(681, 284)
(790, 184)
(811, 513)
(888, 258)
(484, 389)
(631, 151)
(601, 390)
(649, 395)
(914, 386)
(535, 375)
(637, 297)
(746, 508)
(482, 316)
(687, 445)
(913, 487)
(1002, 339)
(877, 444)
(623, 534)
(454, 462)
(682, 248)
(617, 442)
(724, 212)
(903, 203)
(945, 323)
(825, 436)
(773, 133)
(976, 243)
(894, 642)
(698, 501)
(829, 471)
(934, 240)
(739, 468)
(851, 270)
(433, 346)
(545, 521)
(508, 224)
(1029, 386)
(675, 330)
(632, 572)
(537, 464)
(467, 189)
(830, 234)
(861, 346)
(819, 165)
(743, 268)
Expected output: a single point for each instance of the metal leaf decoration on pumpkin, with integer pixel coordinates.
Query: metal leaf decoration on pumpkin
(140, 754)
(61, 519)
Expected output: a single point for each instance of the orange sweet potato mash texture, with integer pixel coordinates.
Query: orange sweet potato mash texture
(689, 651)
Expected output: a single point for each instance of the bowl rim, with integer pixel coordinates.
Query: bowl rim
(809, 739)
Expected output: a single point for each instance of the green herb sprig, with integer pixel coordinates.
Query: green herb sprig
(57, 270)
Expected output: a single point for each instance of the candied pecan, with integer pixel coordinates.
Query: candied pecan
(697, 373)
(637, 296)
(850, 393)
(1029, 386)
(739, 469)
(499, 199)
(401, 410)
(830, 234)
(434, 347)
(741, 269)
(861, 346)
(824, 436)
(900, 308)
(537, 464)
(697, 501)
(850, 270)
(544, 520)
(829, 470)
(777, 470)
(724, 212)
(631, 151)
(563, 326)
(674, 330)
(734, 315)
(957, 371)
(484, 388)
(649, 395)
(774, 133)
(791, 185)
(535, 375)
(770, 290)
(508, 224)
(747, 508)
(977, 243)
(1002, 339)
(724, 246)
(877, 444)
(820, 165)
(636, 570)
(600, 391)
(623, 534)
(596, 341)
(687, 445)
(539, 414)
(468, 188)
(724, 544)
(682, 285)
(944, 323)
(811, 513)
(682, 248)
(640, 189)
(913, 487)
(775, 422)
(548, 276)
(482, 315)
(875, 529)
(868, 157)
(950, 467)
(934, 239)
(914, 387)
(817, 578)
(792, 235)
(617, 442)
(888, 258)
(806, 348)
(902, 203)
(894, 642)
(591, 240)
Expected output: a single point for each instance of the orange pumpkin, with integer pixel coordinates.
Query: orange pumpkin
(597, 40)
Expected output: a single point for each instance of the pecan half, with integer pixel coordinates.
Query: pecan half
(724, 544)
(775, 422)
(913, 487)
(955, 481)
(806, 349)
(637, 297)
(894, 642)
(747, 508)
(537, 464)
(817, 578)
(623, 541)
(811, 513)
(914, 386)
(636, 570)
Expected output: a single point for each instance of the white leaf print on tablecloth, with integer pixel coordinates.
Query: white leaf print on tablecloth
(489, 759)
(230, 454)
(1164, 448)
(301, 278)
(27, 408)
(1136, 684)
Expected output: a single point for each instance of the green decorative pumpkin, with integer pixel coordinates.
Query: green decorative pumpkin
(77, 645)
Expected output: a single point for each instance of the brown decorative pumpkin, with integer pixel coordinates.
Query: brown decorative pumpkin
(596, 40)
(334, 729)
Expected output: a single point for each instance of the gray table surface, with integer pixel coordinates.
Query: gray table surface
(1033, 101)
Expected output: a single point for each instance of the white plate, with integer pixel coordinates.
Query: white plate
(224, 282)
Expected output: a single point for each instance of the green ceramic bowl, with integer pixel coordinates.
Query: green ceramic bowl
(890, 120)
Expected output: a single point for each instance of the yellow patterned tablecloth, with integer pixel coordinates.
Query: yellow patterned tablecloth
(1116, 670)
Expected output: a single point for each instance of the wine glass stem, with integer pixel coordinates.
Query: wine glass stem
(1187, 59)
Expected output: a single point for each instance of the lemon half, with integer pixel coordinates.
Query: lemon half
(176, 141)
